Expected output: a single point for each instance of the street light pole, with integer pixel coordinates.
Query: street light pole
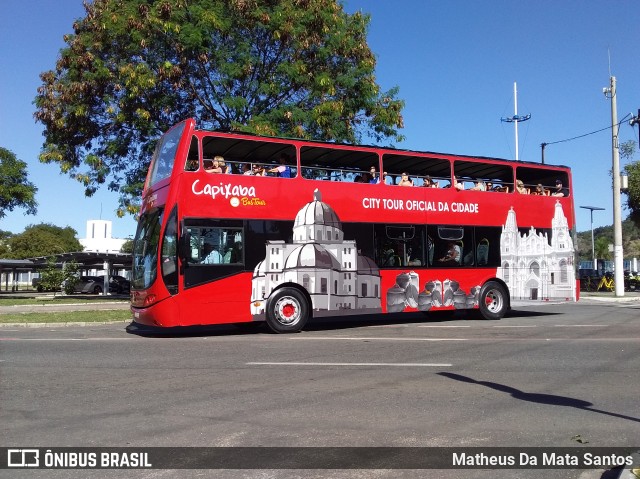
(617, 223)
(515, 118)
(593, 247)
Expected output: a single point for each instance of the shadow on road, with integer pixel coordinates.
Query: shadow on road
(550, 399)
(334, 323)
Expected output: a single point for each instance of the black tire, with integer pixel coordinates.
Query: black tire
(494, 301)
(287, 311)
(97, 290)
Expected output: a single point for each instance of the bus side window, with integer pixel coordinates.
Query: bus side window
(399, 246)
(192, 163)
(487, 246)
(170, 253)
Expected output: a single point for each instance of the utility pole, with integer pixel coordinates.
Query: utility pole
(515, 118)
(617, 212)
(635, 120)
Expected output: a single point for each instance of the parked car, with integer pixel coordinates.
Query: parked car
(119, 284)
(90, 284)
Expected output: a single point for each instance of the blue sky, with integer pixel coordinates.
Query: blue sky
(454, 61)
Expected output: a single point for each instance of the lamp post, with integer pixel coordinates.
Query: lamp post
(593, 247)
(515, 118)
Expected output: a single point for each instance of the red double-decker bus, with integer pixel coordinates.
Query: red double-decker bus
(237, 228)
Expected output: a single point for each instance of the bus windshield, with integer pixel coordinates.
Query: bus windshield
(145, 249)
(164, 156)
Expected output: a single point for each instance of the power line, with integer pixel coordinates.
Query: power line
(543, 145)
(587, 134)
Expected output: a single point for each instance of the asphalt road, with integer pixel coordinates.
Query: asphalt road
(547, 376)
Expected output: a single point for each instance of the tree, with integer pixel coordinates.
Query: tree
(601, 246)
(632, 170)
(127, 247)
(54, 278)
(43, 240)
(133, 68)
(16, 191)
(4, 243)
(51, 277)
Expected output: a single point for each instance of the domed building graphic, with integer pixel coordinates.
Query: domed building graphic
(320, 260)
(534, 267)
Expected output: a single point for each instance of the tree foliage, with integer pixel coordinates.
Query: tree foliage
(601, 248)
(16, 191)
(603, 237)
(127, 247)
(133, 68)
(632, 170)
(51, 277)
(42, 240)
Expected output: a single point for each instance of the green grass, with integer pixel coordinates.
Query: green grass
(67, 317)
(57, 300)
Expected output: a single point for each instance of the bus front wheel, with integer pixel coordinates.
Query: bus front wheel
(493, 301)
(287, 311)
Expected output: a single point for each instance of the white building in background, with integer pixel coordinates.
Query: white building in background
(99, 238)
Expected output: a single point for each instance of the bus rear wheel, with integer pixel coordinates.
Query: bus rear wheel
(493, 301)
(287, 311)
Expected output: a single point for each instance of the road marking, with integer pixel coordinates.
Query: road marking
(66, 339)
(517, 326)
(376, 339)
(443, 326)
(404, 365)
(579, 325)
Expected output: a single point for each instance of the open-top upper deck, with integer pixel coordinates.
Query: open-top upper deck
(464, 189)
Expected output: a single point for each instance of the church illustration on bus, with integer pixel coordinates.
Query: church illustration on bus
(329, 267)
(532, 265)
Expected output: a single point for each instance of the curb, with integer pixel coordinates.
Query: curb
(610, 299)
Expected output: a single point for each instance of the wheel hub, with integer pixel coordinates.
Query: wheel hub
(288, 311)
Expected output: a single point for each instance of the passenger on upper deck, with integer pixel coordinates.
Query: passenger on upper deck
(223, 166)
(214, 167)
(405, 181)
(283, 171)
(429, 183)
(458, 185)
(540, 190)
(520, 188)
(499, 188)
(479, 186)
(560, 191)
(372, 173)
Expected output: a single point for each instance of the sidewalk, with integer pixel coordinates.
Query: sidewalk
(610, 296)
